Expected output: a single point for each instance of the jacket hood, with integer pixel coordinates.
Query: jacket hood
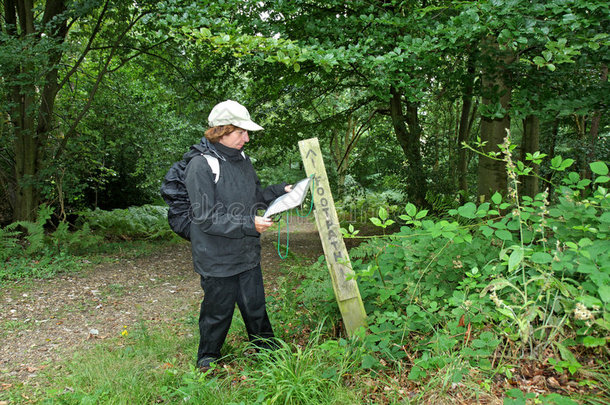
(205, 147)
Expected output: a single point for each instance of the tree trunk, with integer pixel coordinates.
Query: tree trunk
(594, 131)
(464, 132)
(491, 172)
(341, 147)
(551, 155)
(530, 144)
(409, 140)
(26, 144)
(28, 103)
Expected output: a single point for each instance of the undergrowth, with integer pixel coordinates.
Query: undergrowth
(41, 250)
(491, 285)
(144, 222)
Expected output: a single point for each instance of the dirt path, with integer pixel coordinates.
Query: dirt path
(43, 321)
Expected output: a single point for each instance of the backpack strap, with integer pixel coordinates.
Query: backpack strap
(214, 165)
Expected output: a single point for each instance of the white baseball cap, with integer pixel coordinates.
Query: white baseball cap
(233, 113)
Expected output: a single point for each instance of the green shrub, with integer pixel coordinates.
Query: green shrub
(147, 221)
(514, 272)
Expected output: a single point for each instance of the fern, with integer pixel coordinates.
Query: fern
(147, 221)
(9, 243)
(441, 203)
(35, 235)
(65, 240)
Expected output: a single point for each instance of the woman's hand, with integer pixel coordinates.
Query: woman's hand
(288, 188)
(261, 224)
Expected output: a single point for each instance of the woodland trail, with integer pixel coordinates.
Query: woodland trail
(43, 322)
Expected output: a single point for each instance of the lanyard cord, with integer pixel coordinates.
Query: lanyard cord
(279, 224)
(279, 228)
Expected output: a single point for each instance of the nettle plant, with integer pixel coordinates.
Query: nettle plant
(527, 274)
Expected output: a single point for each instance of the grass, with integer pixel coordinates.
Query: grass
(156, 366)
(12, 326)
(47, 266)
(127, 249)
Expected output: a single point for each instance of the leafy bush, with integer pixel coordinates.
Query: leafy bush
(147, 221)
(513, 273)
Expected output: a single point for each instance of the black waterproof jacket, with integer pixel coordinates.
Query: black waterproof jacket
(224, 240)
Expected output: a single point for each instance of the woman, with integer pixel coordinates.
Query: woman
(225, 231)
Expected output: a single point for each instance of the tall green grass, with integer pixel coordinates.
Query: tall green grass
(146, 366)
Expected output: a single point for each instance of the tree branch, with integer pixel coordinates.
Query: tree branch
(87, 48)
(72, 130)
(353, 141)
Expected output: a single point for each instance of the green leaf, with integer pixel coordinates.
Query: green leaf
(602, 179)
(421, 214)
(599, 168)
(566, 354)
(539, 61)
(416, 373)
(566, 163)
(487, 231)
(542, 258)
(515, 259)
(591, 341)
(383, 214)
(496, 198)
(556, 399)
(504, 234)
(376, 221)
(368, 361)
(410, 209)
(556, 161)
(468, 210)
(506, 312)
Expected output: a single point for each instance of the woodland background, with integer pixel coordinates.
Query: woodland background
(474, 133)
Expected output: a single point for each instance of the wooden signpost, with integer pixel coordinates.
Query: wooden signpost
(341, 273)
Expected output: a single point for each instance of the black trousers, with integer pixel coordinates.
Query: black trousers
(220, 296)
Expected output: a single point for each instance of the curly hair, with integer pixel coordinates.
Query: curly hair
(215, 133)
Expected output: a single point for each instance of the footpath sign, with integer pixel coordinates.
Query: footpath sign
(339, 265)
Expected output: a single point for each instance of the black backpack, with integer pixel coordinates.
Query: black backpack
(173, 191)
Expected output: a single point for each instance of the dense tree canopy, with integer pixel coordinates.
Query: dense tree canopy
(99, 97)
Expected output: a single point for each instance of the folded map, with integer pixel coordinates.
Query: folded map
(289, 200)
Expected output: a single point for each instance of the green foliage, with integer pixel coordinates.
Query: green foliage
(142, 366)
(358, 208)
(517, 397)
(536, 271)
(147, 221)
(28, 250)
(10, 243)
(312, 374)
(303, 300)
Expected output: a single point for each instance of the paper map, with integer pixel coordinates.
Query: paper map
(289, 200)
